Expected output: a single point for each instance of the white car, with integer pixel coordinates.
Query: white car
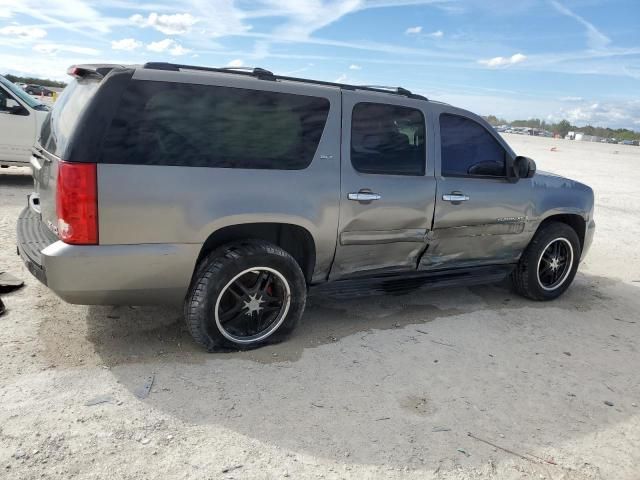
(21, 116)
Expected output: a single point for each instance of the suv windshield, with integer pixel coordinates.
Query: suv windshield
(22, 95)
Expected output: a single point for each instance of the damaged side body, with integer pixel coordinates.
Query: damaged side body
(449, 220)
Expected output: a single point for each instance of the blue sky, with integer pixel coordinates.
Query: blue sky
(551, 59)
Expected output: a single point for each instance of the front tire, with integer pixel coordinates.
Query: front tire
(245, 295)
(549, 264)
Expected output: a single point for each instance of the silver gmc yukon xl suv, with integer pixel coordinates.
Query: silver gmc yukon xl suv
(232, 192)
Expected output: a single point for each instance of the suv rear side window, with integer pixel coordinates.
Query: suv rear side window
(162, 123)
(66, 114)
(468, 149)
(387, 139)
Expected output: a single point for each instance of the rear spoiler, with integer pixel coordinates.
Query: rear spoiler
(91, 70)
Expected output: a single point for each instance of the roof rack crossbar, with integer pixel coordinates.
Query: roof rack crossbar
(263, 74)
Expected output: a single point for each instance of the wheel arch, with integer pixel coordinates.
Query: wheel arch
(294, 239)
(573, 220)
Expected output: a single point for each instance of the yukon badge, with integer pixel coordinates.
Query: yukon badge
(511, 219)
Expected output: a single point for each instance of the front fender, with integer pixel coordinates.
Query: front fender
(555, 195)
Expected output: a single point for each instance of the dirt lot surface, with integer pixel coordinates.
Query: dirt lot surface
(383, 387)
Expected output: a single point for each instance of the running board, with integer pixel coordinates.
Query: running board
(403, 283)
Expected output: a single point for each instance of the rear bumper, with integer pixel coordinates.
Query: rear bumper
(33, 237)
(106, 274)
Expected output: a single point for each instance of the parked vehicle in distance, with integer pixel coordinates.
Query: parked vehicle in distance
(232, 192)
(38, 90)
(20, 119)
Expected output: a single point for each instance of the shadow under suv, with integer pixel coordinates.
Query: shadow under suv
(231, 192)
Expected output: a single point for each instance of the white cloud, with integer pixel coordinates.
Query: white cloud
(353, 66)
(571, 99)
(417, 31)
(595, 37)
(168, 45)
(503, 61)
(306, 17)
(220, 18)
(176, 24)
(235, 63)
(76, 9)
(53, 48)
(127, 44)
(341, 79)
(604, 114)
(620, 113)
(44, 66)
(23, 33)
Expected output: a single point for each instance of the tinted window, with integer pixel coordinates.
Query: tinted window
(387, 139)
(7, 102)
(66, 114)
(468, 149)
(16, 91)
(161, 123)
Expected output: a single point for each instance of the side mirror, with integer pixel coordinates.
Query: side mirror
(523, 167)
(18, 110)
(488, 168)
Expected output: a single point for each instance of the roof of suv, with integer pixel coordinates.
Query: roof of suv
(259, 73)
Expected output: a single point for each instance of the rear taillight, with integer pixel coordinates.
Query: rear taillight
(77, 203)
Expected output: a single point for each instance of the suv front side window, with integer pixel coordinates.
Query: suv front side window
(387, 139)
(7, 102)
(469, 150)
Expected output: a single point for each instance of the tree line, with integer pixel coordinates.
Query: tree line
(564, 126)
(35, 81)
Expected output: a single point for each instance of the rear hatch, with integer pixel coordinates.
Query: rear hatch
(69, 141)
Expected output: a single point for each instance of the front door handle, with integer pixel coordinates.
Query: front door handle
(455, 197)
(364, 196)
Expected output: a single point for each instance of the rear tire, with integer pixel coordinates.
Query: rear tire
(549, 263)
(245, 295)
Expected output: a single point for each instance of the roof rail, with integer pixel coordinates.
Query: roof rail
(398, 90)
(260, 73)
(263, 74)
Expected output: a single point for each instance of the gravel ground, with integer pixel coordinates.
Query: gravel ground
(384, 387)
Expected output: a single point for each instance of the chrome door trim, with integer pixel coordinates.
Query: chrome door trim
(362, 237)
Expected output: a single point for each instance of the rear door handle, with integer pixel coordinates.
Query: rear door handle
(364, 196)
(455, 197)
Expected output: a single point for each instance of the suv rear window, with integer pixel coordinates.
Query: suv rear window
(387, 139)
(162, 123)
(66, 115)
